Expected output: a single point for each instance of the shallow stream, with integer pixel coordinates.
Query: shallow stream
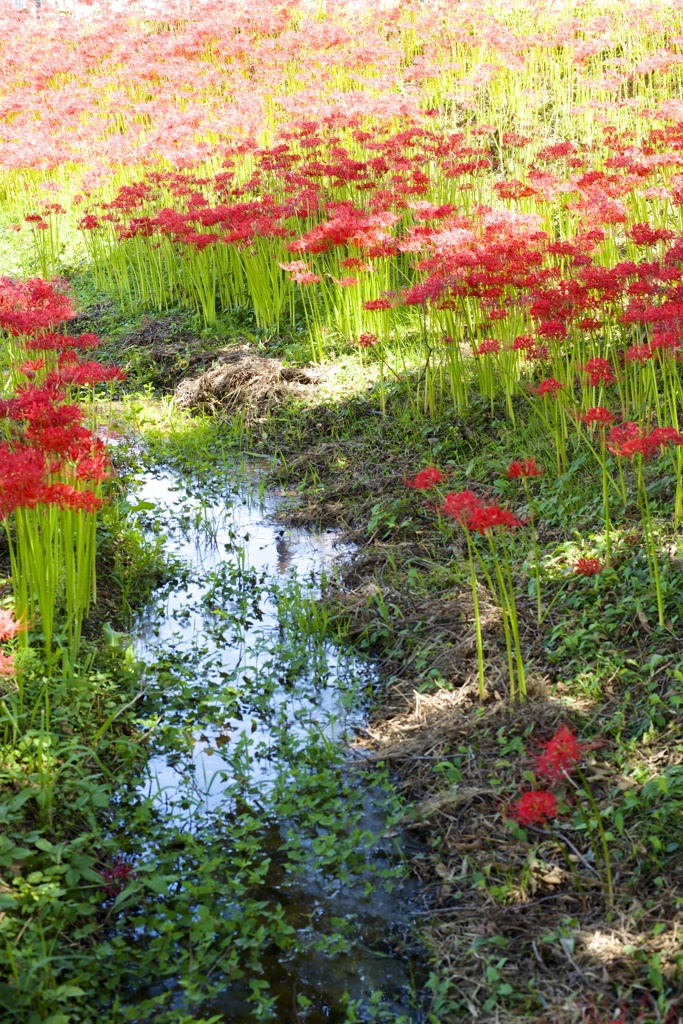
(249, 708)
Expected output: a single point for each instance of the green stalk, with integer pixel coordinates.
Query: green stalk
(477, 617)
(515, 626)
(537, 561)
(605, 495)
(502, 601)
(650, 542)
(603, 838)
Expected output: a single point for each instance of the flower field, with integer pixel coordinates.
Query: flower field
(465, 221)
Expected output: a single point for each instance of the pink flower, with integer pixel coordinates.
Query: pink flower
(7, 667)
(9, 627)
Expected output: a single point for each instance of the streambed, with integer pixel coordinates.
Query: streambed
(249, 708)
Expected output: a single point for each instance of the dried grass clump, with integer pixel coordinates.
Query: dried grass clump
(245, 381)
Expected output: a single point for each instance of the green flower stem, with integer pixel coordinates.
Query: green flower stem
(609, 890)
(477, 618)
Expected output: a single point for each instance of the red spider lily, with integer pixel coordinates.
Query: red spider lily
(523, 468)
(39, 406)
(599, 371)
(470, 513)
(22, 478)
(665, 340)
(488, 517)
(620, 434)
(662, 436)
(561, 754)
(58, 440)
(534, 808)
(547, 387)
(7, 666)
(60, 342)
(488, 347)
(67, 497)
(459, 505)
(637, 442)
(9, 626)
(30, 367)
(116, 876)
(643, 234)
(426, 479)
(85, 374)
(32, 305)
(638, 353)
(468, 510)
(523, 343)
(636, 446)
(93, 468)
(552, 329)
(598, 416)
(588, 566)
(367, 340)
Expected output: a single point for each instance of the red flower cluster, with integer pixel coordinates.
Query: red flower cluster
(473, 515)
(628, 439)
(116, 875)
(561, 754)
(535, 808)
(589, 566)
(459, 504)
(599, 371)
(27, 307)
(523, 468)
(426, 479)
(598, 416)
(51, 457)
(547, 387)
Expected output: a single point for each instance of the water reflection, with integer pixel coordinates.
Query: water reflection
(250, 704)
